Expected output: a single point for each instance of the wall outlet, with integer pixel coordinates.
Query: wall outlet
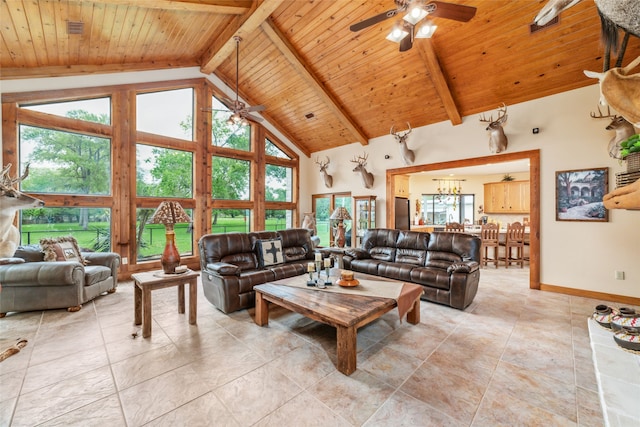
(619, 275)
(125, 260)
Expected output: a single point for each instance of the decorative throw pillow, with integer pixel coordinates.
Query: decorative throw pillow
(270, 252)
(61, 249)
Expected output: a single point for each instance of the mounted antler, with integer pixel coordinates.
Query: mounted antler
(328, 179)
(11, 200)
(367, 177)
(497, 139)
(620, 125)
(408, 156)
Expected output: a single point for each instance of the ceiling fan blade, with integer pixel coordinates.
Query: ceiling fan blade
(256, 108)
(252, 117)
(406, 43)
(374, 20)
(215, 109)
(457, 12)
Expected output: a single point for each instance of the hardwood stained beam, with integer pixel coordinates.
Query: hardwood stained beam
(75, 70)
(430, 59)
(226, 7)
(241, 26)
(303, 70)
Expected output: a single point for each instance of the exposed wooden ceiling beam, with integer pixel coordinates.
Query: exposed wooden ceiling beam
(77, 70)
(300, 66)
(241, 26)
(226, 7)
(430, 59)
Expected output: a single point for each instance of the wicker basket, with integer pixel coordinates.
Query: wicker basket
(626, 178)
(633, 162)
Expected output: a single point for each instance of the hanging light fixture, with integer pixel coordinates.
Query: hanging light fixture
(426, 30)
(398, 32)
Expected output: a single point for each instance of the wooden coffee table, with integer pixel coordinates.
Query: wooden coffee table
(345, 312)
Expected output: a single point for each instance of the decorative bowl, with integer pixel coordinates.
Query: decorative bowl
(604, 315)
(628, 338)
(625, 317)
(347, 283)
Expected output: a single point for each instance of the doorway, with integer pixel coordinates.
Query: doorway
(533, 156)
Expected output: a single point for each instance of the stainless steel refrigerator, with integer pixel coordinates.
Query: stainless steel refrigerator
(403, 220)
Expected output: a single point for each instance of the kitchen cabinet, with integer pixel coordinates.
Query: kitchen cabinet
(364, 217)
(401, 186)
(506, 197)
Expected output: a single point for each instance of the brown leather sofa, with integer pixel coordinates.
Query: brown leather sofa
(231, 264)
(446, 264)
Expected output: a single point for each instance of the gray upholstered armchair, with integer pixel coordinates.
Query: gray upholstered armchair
(29, 283)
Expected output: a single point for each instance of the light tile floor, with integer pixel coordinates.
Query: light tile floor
(514, 357)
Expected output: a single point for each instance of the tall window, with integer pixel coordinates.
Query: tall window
(102, 159)
(439, 210)
(72, 160)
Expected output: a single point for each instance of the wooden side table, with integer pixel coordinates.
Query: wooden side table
(146, 282)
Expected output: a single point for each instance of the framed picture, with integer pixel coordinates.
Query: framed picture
(579, 195)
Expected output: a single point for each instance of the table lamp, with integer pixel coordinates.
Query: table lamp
(340, 214)
(170, 213)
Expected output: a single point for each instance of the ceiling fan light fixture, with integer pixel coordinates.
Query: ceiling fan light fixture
(415, 15)
(398, 32)
(426, 30)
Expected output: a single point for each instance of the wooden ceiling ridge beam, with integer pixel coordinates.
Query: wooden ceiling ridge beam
(430, 58)
(242, 26)
(276, 36)
(225, 7)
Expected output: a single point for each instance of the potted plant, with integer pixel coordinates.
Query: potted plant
(630, 151)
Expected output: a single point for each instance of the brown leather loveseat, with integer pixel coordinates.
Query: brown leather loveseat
(233, 263)
(446, 264)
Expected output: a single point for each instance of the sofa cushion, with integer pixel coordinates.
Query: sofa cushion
(95, 273)
(245, 261)
(29, 253)
(296, 244)
(61, 249)
(269, 252)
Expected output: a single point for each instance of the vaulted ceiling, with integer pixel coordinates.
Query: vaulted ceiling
(299, 58)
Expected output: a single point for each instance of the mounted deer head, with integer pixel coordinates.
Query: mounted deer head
(328, 179)
(621, 126)
(621, 90)
(12, 200)
(408, 156)
(497, 139)
(367, 177)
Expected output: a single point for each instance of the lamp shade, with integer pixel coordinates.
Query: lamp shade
(340, 213)
(169, 213)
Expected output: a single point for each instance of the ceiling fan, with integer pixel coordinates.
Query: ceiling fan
(240, 113)
(403, 31)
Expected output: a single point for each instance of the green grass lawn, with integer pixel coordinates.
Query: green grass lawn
(153, 237)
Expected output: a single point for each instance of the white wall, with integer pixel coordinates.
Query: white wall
(580, 255)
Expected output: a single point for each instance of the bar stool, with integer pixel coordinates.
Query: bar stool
(514, 240)
(454, 227)
(489, 234)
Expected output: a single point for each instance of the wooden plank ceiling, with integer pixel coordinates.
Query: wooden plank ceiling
(299, 57)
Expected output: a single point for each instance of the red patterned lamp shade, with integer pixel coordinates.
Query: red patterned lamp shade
(170, 213)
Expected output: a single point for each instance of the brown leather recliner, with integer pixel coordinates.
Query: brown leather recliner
(446, 264)
(231, 266)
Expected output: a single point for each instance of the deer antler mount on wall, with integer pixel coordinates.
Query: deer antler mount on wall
(408, 156)
(497, 139)
(328, 179)
(367, 177)
(621, 126)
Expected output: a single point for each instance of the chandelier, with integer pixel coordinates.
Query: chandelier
(449, 191)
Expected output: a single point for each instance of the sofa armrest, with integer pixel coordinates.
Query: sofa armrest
(463, 267)
(108, 259)
(223, 269)
(42, 273)
(357, 253)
